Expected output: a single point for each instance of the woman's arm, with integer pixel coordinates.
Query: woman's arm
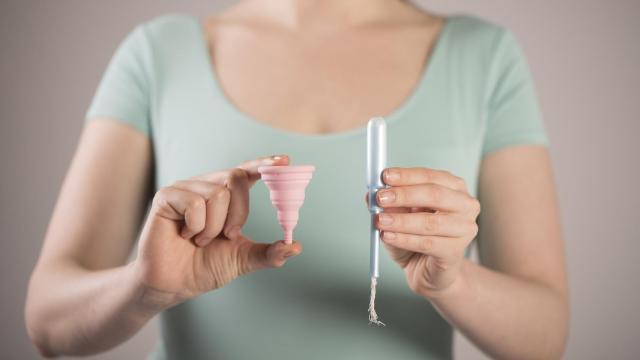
(82, 298)
(514, 306)
(506, 316)
(80, 284)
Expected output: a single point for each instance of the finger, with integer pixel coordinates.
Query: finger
(217, 212)
(441, 247)
(251, 167)
(390, 210)
(177, 204)
(238, 185)
(431, 196)
(439, 224)
(261, 256)
(206, 189)
(418, 175)
(217, 199)
(400, 256)
(238, 180)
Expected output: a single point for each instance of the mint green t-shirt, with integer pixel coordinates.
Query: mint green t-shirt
(475, 96)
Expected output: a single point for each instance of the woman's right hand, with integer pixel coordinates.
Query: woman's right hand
(192, 243)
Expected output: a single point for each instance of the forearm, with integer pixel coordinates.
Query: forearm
(71, 311)
(505, 316)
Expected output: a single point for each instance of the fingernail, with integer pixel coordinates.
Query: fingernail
(386, 197)
(385, 219)
(277, 157)
(391, 175)
(388, 235)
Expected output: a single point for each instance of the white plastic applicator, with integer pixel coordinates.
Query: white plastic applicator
(376, 162)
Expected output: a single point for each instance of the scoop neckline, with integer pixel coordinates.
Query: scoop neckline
(213, 83)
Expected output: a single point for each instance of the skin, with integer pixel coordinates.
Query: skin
(85, 296)
(513, 305)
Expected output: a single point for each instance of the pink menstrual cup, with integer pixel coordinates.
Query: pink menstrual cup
(286, 185)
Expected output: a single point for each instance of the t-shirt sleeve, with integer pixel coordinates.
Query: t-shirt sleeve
(123, 93)
(512, 108)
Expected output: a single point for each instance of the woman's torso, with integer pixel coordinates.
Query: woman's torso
(316, 306)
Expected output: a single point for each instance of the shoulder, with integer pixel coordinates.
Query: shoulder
(169, 39)
(481, 45)
(481, 36)
(167, 27)
(159, 32)
(476, 34)
(154, 45)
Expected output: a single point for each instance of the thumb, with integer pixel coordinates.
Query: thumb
(258, 256)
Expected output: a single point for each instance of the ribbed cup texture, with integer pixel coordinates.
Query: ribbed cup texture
(286, 186)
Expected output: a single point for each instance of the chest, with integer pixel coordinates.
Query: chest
(270, 104)
(319, 83)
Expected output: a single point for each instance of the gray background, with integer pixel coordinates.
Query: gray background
(584, 55)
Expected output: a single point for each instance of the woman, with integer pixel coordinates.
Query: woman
(183, 99)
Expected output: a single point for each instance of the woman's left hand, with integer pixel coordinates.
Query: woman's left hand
(428, 221)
